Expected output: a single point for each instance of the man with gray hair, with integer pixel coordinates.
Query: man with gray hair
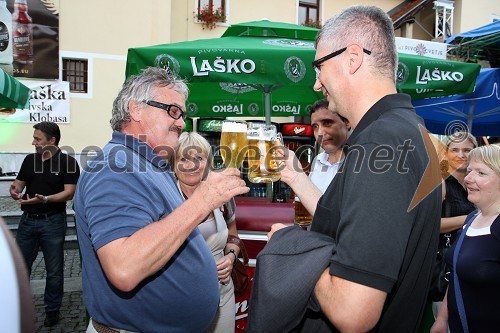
(146, 267)
(383, 208)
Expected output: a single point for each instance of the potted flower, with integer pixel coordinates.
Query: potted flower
(209, 17)
(312, 24)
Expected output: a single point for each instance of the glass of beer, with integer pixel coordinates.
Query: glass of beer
(263, 143)
(302, 217)
(233, 143)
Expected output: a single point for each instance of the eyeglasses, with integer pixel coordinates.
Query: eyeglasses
(173, 111)
(319, 61)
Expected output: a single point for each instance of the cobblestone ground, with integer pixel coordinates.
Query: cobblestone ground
(8, 205)
(73, 314)
(73, 318)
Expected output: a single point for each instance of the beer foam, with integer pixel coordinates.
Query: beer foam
(234, 127)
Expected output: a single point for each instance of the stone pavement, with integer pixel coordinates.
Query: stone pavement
(73, 314)
(9, 206)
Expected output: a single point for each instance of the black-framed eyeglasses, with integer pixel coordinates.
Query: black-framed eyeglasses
(319, 61)
(173, 110)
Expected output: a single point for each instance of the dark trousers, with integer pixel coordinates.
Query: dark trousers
(47, 233)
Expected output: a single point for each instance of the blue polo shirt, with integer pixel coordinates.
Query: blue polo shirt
(125, 188)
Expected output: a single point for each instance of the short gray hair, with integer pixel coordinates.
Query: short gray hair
(140, 88)
(193, 140)
(368, 26)
(189, 141)
(489, 155)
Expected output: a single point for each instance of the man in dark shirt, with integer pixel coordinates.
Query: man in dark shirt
(49, 177)
(383, 207)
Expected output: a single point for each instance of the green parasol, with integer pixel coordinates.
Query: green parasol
(13, 94)
(263, 68)
(423, 77)
(257, 68)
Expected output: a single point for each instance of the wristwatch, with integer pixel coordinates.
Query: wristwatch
(45, 199)
(235, 256)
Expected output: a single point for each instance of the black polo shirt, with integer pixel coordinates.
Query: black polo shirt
(46, 178)
(381, 243)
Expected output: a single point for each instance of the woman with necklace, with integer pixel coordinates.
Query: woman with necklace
(478, 262)
(192, 164)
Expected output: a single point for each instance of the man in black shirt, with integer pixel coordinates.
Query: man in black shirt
(49, 177)
(383, 207)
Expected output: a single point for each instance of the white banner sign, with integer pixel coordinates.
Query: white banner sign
(421, 47)
(49, 101)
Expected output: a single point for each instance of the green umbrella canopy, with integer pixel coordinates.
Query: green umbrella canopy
(242, 74)
(423, 77)
(263, 68)
(13, 94)
(266, 28)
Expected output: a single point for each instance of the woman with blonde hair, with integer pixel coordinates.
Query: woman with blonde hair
(192, 164)
(477, 265)
(455, 206)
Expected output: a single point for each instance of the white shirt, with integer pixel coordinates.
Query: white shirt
(322, 171)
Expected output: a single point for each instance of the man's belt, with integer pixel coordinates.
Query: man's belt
(38, 216)
(100, 328)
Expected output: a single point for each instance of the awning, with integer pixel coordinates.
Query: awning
(13, 94)
(478, 112)
(482, 43)
(257, 69)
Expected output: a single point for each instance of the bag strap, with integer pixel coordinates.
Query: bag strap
(447, 208)
(447, 213)
(458, 293)
(237, 241)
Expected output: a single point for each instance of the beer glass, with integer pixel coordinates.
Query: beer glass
(233, 143)
(302, 217)
(263, 163)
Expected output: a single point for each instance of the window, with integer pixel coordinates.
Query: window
(75, 71)
(215, 4)
(308, 11)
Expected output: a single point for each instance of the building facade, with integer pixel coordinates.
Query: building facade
(99, 33)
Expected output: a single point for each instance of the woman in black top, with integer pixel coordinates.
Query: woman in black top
(456, 207)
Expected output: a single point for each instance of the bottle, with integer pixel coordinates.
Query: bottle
(22, 34)
(5, 38)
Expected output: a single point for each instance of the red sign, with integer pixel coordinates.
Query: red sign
(242, 304)
(293, 129)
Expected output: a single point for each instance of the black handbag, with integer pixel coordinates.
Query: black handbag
(440, 271)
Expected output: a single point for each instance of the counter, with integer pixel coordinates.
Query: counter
(254, 218)
(259, 214)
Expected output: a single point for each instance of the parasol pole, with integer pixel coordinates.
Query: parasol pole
(267, 90)
(470, 116)
(267, 103)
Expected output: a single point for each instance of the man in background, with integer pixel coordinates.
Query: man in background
(330, 131)
(49, 177)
